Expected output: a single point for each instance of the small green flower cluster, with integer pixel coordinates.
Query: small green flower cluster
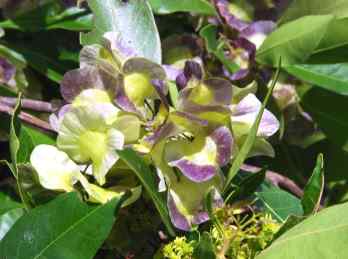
(179, 248)
(244, 235)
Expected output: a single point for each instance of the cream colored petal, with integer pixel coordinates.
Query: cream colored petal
(55, 169)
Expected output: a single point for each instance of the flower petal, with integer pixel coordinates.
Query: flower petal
(55, 169)
(75, 81)
(245, 113)
(186, 208)
(87, 134)
(196, 160)
(257, 32)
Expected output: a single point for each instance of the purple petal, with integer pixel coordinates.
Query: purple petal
(165, 131)
(75, 81)
(246, 112)
(258, 31)
(7, 70)
(142, 65)
(194, 172)
(172, 72)
(115, 43)
(231, 20)
(178, 220)
(161, 90)
(55, 119)
(224, 141)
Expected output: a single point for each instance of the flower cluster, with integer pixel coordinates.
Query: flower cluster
(117, 99)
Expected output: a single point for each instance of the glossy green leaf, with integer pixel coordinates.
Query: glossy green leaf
(133, 23)
(314, 188)
(321, 236)
(10, 212)
(311, 39)
(205, 248)
(63, 228)
(294, 41)
(279, 203)
(209, 34)
(194, 6)
(249, 141)
(327, 109)
(333, 77)
(299, 8)
(148, 179)
(8, 219)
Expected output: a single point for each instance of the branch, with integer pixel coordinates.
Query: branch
(26, 117)
(276, 179)
(34, 105)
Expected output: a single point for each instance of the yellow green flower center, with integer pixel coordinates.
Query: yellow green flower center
(138, 87)
(93, 145)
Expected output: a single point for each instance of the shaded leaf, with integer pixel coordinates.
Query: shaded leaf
(326, 108)
(333, 77)
(299, 8)
(51, 16)
(279, 203)
(194, 6)
(321, 236)
(44, 233)
(205, 248)
(147, 178)
(314, 188)
(133, 23)
(247, 186)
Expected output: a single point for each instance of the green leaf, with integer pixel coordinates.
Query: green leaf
(209, 34)
(247, 186)
(205, 248)
(16, 150)
(333, 77)
(147, 178)
(299, 8)
(51, 15)
(321, 236)
(15, 128)
(29, 138)
(64, 228)
(290, 222)
(310, 39)
(314, 189)
(294, 41)
(8, 219)
(10, 212)
(327, 109)
(133, 23)
(194, 6)
(279, 203)
(249, 141)
(208, 205)
(7, 204)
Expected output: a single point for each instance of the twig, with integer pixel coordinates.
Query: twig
(26, 117)
(276, 179)
(34, 105)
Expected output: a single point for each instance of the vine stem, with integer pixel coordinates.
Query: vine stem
(26, 117)
(276, 179)
(34, 105)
